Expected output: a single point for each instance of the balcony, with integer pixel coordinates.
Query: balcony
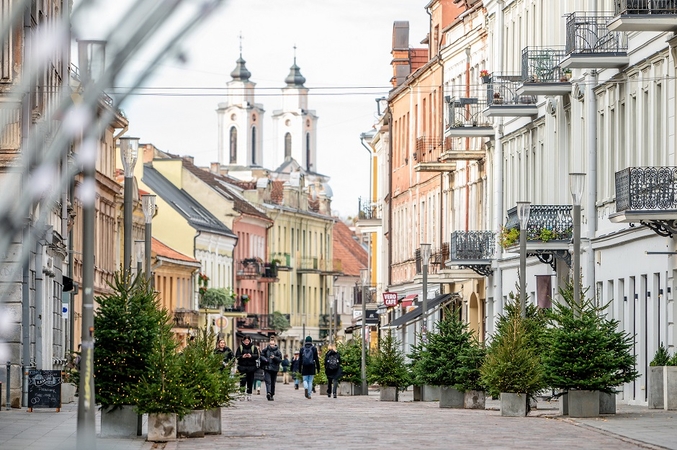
(549, 233)
(647, 195)
(357, 294)
(249, 269)
(369, 216)
(258, 322)
(307, 264)
(504, 100)
(284, 261)
(644, 15)
(428, 156)
(466, 117)
(542, 74)
(185, 319)
(331, 266)
(590, 44)
(473, 250)
(438, 259)
(269, 274)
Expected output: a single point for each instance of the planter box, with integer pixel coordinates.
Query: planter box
(213, 421)
(607, 403)
(583, 403)
(67, 393)
(388, 394)
(451, 397)
(350, 389)
(162, 427)
(323, 389)
(514, 405)
(663, 387)
(119, 422)
(417, 393)
(193, 424)
(430, 393)
(474, 400)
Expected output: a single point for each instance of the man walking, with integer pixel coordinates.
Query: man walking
(310, 365)
(271, 357)
(285, 369)
(296, 369)
(248, 360)
(332, 369)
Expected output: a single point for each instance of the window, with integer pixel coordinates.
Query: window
(233, 145)
(253, 146)
(309, 164)
(287, 145)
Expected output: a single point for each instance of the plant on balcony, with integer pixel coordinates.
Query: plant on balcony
(509, 236)
(566, 75)
(279, 322)
(203, 283)
(485, 76)
(497, 98)
(217, 298)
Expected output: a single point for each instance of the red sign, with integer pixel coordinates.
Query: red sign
(390, 299)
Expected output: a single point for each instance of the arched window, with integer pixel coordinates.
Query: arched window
(253, 146)
(233, 145)
(309, 164)
(287, 145)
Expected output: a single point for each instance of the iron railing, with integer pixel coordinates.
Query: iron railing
(623, 7)
(546, 222)
(473, 245)
(357, 294)
(588, 33)
(502, 90)
(467, 112)
(258, 321)
(437, 259)
(186, 318)
(368, 210)
(646, 188)
(307, 263)
(283, 258)
(249, 268)
(541, 65)
(269, 270)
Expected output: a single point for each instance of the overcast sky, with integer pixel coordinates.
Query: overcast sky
(343, 44)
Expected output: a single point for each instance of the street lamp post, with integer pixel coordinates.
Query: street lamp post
(576, 182)
(148, 202)
(364, 276)
(91, 59)
(129, 150)
(425, 259)
(523, 209)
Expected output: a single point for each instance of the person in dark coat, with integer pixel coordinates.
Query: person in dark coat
(332, 369)
(296, 369)
(271, 357)
(248, 360)
(285, 369)
(310, 365)
(225, 352)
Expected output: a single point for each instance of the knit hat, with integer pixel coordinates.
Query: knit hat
(309, 339)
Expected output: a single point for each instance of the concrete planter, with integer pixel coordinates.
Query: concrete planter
(474, 400)
(193, 424)
(119, 422)
(323, 389)
(514, 405)
(663, 387)
(430, 393)
(583, 403)
(451, 397)
(213, 421)
(607, 403)
(417, 393)
(388, 394)
(67, 393)
(162, 427)
(350, 389)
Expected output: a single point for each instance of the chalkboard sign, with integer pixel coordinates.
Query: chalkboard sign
(44, 389)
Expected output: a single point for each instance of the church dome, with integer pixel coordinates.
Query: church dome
(241, 73)
(295, 79)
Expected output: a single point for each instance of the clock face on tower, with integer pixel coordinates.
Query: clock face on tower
(233, 117)
(287, 122)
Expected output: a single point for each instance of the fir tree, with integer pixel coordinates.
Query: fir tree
(586, 350)
(162, 389)
(125, 324)
(661, 358)
(351, 360)
(468, 375)
(387, 367)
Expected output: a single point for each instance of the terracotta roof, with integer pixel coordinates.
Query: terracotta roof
(165, 251)
(276, 192)
(352, 255)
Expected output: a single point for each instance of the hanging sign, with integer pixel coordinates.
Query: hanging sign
(390, 299)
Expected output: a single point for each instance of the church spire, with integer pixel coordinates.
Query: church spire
(240, 73)
(295, 79)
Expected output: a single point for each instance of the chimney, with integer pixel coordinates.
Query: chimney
(401, 58)
(214, 167)
(189, 158)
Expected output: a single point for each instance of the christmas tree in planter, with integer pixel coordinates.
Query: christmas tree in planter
(351, 361)
(388, 369)
(125, 324)
(587, 351)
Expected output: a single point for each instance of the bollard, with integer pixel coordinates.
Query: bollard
(8, 403)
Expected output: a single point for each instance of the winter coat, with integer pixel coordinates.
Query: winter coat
(285, 365)
(309, 368)
(227, 355)
(296, 365)
(271, 359)
(336, 373)
(246, 365)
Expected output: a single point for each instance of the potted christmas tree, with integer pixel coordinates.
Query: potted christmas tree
(471, 358)
(126, 323)
(321, 377)
(162, 392)
(663, 380)
(387, 368)
(351, 367)
(587, 354)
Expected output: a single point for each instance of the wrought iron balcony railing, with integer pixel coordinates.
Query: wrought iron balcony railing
(269, 270)
(622, 7)
(368, 210)
(249, 268)
(473, 245)
(438, 258)
(503, 91)
(467, 112)
(258, 321)
(307, 263)
(542, 65)
(646, 189)
(588, 33)
(546, 223)
(428, 149)
(357, 294)
(186, 318)
(284, 259)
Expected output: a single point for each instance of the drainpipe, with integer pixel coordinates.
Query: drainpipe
(591, 115)
(467, 143)
(39, 306)
(498, 172)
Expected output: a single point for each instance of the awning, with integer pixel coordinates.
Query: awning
(415, 314)
(255, 337)
(408, 300)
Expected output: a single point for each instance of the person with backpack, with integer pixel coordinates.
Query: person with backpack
(248, 361)
(285, 369)
(332, 368)
(271, 357)
(296, 369)
(310, 365)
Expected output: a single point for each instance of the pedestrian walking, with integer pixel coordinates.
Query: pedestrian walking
(259, 376)
(271, 358)
(225, 352)
(285, 364)
(310, 365)
(248, 361)
(296, 369)
(332, 369)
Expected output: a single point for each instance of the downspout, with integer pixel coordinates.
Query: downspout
(591, 116)
(389, 118)
(39, 306)
(196, 303)
(467, 142)
(498, 173)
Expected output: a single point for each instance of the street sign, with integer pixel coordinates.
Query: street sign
(372, 317)
(390, 299)
(222, 322)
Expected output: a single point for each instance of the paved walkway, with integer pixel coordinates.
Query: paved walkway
(292, 421)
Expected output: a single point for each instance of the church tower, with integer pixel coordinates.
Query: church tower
(294, 126)
(240, 121)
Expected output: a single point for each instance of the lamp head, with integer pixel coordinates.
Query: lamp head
(425, 254)
(364, 276)
(129, 151)
(523, 210)
(576, 183)
(148, 207)
(91, 60)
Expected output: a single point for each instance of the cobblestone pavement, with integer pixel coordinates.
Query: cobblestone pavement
(291, 421)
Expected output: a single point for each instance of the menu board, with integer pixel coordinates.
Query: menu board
(44, 389)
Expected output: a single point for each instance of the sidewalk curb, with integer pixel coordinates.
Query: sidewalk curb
(620, 437)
